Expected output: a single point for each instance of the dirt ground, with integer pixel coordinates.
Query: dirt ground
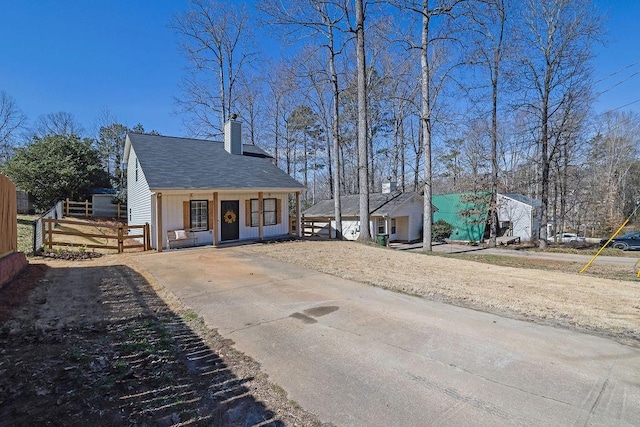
(581, 302)
(100, 342)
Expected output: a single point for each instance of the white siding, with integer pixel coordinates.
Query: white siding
(172, 212)
(402, 229)
(350, 229)
(408, 224)
(413, 212)
(138, 194)
(518, 213)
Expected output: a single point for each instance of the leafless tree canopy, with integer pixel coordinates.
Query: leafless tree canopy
(12, 122)
(216, 39)
(60, 123)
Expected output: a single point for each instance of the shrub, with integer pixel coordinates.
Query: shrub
(441, 230)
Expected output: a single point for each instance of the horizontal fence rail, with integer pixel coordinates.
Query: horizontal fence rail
(315, 227)
(88, 209)
(120, 234)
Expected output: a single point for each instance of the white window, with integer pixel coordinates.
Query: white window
(393, 226)
(381, 226)
(199, 214)
(269, 207)
(270, 211)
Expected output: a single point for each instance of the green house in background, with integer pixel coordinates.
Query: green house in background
(466, 212)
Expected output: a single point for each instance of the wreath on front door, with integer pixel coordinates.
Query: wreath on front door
(229, 217)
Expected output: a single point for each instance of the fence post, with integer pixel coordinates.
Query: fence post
(67, 207)
(147, 238)
(35, 235)
(47, 225)
(86, 208)
(120, 240)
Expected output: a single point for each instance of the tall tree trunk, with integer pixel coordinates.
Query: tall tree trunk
(426, 126)
(335, 132)
(402, 159)
(363, 170)
(495, 79)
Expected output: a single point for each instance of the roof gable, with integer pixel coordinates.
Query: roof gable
(185, 163)
(380, 204)
(522, 199)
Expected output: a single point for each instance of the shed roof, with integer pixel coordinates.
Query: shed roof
(523, 199)
(185, 163)
(380, 204)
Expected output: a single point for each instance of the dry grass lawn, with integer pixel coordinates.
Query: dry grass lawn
(586, 303)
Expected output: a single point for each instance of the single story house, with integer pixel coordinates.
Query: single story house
(396, 214)
(217, 191)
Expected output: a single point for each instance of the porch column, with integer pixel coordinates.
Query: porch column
(214, 226)
(159, 239)
(260, 216)
(298, 222)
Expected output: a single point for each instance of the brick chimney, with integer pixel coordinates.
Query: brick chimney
(233, 136)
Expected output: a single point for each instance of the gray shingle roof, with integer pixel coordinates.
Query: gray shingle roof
(380, 204)
(184, 163)
(524, 199)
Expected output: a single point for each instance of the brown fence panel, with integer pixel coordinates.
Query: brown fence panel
(86, 210)
(8, 217)
(314, 227)
(120, 235)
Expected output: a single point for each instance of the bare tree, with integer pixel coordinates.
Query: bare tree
(557, 34)
(363, 170)
(431, 86)
(60, 123)
(281, 84)
(319, 19)
(614, 151)
(215, 38)
(249, 106)
(490, 19)
(12, 121)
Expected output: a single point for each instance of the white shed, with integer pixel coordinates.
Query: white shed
(519, 216)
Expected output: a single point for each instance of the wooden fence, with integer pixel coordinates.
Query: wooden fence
(120, 235)
(316, 227)
(86, 210)
(8, 217)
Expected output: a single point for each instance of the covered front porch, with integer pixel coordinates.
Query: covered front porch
(198, 218)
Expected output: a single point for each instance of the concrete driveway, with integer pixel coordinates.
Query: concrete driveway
(358, 355)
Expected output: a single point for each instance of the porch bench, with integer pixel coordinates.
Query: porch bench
(181, 238)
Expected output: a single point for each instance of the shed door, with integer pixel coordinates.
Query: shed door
(230, 226)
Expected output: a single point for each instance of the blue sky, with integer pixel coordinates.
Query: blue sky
(82, 56)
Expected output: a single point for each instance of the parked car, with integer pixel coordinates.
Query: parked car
(566, 238)
(629, 241)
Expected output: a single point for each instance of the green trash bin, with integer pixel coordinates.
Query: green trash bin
(382, 239)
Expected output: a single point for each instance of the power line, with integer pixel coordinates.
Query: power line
(617, 72)
(618, 108)
(619, 83)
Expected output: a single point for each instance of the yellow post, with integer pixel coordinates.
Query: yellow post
(86, 208)
(67, 206)
(609, 241)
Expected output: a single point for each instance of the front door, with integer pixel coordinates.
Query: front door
(230, 228)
